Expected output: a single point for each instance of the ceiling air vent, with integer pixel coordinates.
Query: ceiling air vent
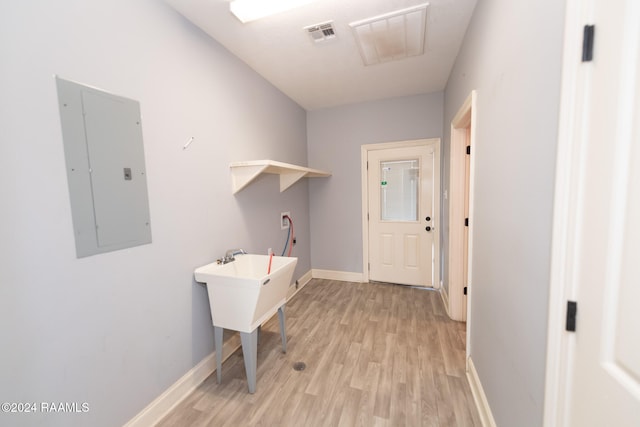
(321, 33)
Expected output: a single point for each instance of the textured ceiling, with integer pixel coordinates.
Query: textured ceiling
(325, 75)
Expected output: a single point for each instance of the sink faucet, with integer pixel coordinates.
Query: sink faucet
(230, 255)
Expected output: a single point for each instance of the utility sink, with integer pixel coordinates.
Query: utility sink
(242, 296)
(241, 293)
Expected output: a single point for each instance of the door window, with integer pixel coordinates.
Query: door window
(399, 190)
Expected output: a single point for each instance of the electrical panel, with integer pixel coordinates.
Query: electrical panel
(106, 172)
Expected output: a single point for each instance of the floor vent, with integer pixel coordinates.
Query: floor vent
(320, 33)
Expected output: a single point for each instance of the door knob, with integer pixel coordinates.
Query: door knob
(427, 228)
(428, 218)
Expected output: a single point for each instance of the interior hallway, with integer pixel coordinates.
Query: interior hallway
(375, 354)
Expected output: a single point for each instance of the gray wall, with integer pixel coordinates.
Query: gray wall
(511, 55)
(334, 137)
(116, 330)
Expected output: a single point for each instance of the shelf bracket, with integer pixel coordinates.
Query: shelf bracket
(242, 176)
(287, 179)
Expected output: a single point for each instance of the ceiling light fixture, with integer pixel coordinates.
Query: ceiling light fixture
(250, 10)
(391, 36)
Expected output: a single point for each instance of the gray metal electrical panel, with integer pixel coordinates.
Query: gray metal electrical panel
(106, 172)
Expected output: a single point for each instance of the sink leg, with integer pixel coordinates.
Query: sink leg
(218, 331)
(283, 331)
(250, 354)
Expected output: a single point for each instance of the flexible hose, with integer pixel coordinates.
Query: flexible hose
(287, 242)
(292, 235)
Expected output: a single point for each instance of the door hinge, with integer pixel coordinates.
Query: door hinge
(468, 149)
(367, 165)
(588, 38)
(465, 290)
(367, 216)
(466, 222)
(572, 311)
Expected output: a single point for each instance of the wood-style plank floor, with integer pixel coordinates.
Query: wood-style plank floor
(375, 354)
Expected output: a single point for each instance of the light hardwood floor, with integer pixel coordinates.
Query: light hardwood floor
(375, 354)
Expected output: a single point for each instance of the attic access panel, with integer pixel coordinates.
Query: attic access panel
(391, 36)
(106, 171)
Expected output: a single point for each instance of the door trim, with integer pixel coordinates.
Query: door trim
(364, 153)
(464, 119)
(565, 242)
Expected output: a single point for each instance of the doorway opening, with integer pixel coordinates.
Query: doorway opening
(457, 292)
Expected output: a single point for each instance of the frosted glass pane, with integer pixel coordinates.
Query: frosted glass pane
(399, 190)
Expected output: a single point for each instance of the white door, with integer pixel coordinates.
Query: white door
(602, 228)
(402, 214)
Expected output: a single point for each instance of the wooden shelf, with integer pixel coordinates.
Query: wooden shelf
(243, 173)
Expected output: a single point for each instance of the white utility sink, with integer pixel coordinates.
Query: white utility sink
(241, 293)
(242, 296)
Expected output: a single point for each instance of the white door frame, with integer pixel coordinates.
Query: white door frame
(464, 120)
(568, 163)
(364, 152)
(566, 242)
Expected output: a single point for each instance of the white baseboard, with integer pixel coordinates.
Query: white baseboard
(484, 410)
(302, 282)
(344, 276)
(168, 400)
(178, 391)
